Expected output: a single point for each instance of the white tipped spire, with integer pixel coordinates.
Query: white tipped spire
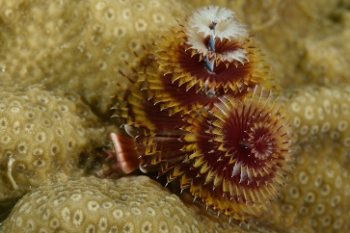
(218, 24)
(226, 24)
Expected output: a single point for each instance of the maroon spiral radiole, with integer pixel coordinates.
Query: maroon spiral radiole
(204, 61)
(235, 156)
(201, 111)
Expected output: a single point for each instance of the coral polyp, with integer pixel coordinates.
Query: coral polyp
(208, 55)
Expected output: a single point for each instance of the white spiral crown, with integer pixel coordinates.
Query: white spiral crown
(217, 23)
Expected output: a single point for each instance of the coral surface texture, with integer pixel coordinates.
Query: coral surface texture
(174, 116)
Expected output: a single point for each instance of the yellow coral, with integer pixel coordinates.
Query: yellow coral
(64, 45)
(317, 194)
(81, 45)
(321, 114)
(326, 59)
(130, 204)
(43, 134)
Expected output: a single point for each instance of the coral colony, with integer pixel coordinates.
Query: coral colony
(203, 110)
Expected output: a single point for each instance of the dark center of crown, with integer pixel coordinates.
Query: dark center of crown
(244, 145)
(261, 143)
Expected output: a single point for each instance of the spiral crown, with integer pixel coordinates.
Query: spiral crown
(209, 24)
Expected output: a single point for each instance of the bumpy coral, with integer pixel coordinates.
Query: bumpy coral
(76, 44)
(130, 204)
(80, 45)
(326, 59)
(319, 114)
(42, 136)
(317, 195)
